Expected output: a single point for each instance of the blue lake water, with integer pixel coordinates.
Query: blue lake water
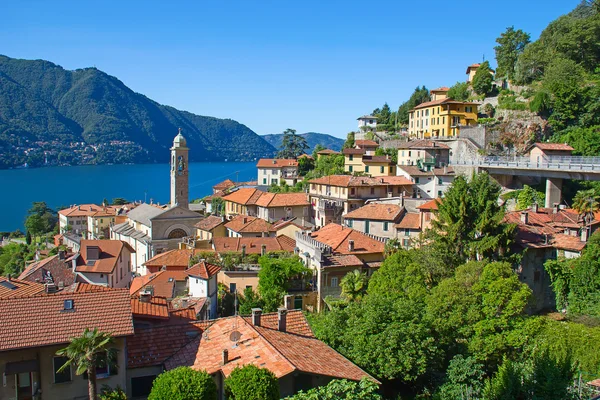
(64, 186)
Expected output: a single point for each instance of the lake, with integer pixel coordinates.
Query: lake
(64, 186)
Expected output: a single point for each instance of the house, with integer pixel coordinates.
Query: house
(425, 154)
(167, 284)
(57, 270)
(104, 262)
(277, 170)
(242, 202)
(223, 186)
(472, 70)
(11, 287)
(151, 229)
(29, 363)
(334, 195)
(211, 226)
(208, 200)
(427, 212)
(247, 226)
(250, 245)
(547, 233)
(202, 283)
(376, 219)
(172, 260)
(273, 207)
(544, 152)
(441, 119)
(335, 250)
(367, 122)
(327, 152)
(408, 229)
(240, 278)
(429, 182)
(282, 342)
(369, 146)
(439, 93)
(75, 218)
(289, 227)
(357, 161)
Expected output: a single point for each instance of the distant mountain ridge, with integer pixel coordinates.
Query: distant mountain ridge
(312, 139)
(52, 115)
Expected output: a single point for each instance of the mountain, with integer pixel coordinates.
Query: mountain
(49, 115)
(312, 139)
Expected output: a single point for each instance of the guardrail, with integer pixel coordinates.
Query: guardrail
(560, 163)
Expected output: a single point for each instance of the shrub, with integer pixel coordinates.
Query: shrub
(252, 383)
(487, 121)
(541, 103)
(183, 383)
(109, 393)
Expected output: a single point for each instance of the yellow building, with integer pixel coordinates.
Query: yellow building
(355, 160)
(441, 118)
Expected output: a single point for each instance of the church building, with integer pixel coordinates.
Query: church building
(151, 229)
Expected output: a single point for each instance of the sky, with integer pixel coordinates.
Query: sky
(314, 66)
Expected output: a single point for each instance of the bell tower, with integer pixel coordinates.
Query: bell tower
(179, 172)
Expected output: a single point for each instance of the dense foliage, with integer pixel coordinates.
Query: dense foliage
(482, 81)
(292, 145)
(341, 389)
(183, 383)
(511, 44)
(252, 383)
(459, 91)
(420, 95)
(42, 103)
(313, 139)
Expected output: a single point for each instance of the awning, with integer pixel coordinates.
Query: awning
(18, 367)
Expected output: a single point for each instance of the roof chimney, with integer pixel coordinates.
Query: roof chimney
(61, 254)
(8, 277)
(256, 313)
(145, 296)
(350, 245)
(225, 356)
(534, 208)
(445, 169)
(288, 301)
(243, 250)
(555, 208)
(245, 220)
(584, 234)
(281, 319)
(525, 217)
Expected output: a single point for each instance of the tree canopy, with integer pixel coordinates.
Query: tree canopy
(292, 145)
(482, 81)
(183, 383)
(511, 44)
(252, 383)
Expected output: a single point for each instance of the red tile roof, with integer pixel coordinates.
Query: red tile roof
(248, 224)
(59, 270)
(328, 152)
(443, 101)
(440, 89)
(423, 144)
(42, 321)
(415, 171)
(366, 143)
(276, 163)
(245, 196)
(253, 245)
(410, 221)
(156, 308)
(377, 159)
(209, 223)
(345, 260)
(171, 258)
(83, 210)
(361, 181)
(430, 205)
(226, 184)
(353, 151)
(162, 282)
(280, 352)
(110, 250)
(338, 238)
(554, 146)
(376, 211)
(203, 270)
(18, 288)
(283, 200)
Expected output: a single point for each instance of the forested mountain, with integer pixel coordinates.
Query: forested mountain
(49, 114)
(312, 139)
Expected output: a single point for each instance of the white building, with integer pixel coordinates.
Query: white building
(430, 183)
(202, 282)
(104, 262)
(275, 171)
(367, 121)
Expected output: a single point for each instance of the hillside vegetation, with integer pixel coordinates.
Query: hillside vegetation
(87, 116)
(312, 139)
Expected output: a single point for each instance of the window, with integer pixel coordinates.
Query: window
(232, 287)
(442, 131)
(102, 366)
(265, 181)
(381, 169)
(409, 153)
(351, 157)
(443, 120)
(439, 193)
(417, 179)
(402, 153)
(440, 181)
(334, 281)
(438, 110)
(407, 232)
(367, 169)
(352, 191)
(349, 223)
(367, 226)
(350, 168)
(372, 190)
(62, 376)
(385, 226)
(405, 242)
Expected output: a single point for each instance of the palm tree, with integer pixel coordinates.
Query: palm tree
(85, 352)
(586, 203)
(354, 285)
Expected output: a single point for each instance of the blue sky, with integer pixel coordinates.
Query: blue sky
(271, 65)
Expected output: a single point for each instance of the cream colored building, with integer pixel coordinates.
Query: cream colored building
(277, 170)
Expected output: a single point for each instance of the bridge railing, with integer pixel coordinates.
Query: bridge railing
(570, 163)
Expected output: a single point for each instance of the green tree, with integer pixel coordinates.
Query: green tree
(420, 95)
(41, 217)
(469, 223)
(341, 389)
(119, 201)
(354, 285)
(482, 81)
(249, 300)
(274, 279)
(218, 206)
(584, 284)
(460, 91)
(563, 79)
(28, 238)
(305, 164)
(528, 196)
(183, 383)
(108, 393)
(383, 116)
(292, 145)
(586, 202)
(86, 352)
(35, 225)
(511, 45)
(464, 379)
(317, 149)
(349, 143)
(392, 153)
(541, 103)
(585, 141)
(252, 383)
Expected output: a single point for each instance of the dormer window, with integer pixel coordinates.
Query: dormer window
(68, 305)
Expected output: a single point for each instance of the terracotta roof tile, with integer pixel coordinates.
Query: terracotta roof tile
(245, 196)
(248, 224)
(361, 181)
(353, 151)
(171, 258)
(276, 163)
(283, 200)
(83, 210)
(423, 144)
(253, 245)
(377, 159)
(156, 308)
(209, 223)
(376, 211)
(554, 146)
(60, 271)
(415, 171)
(366, 143)
(430, 205)
(18, 288)
(410, 221)
(328, 152)
(440, 89)
(110, 250)
(226, 184)
(338, 237)
(162, 283)
(42, 321)
(345, 260)
(203, 270)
